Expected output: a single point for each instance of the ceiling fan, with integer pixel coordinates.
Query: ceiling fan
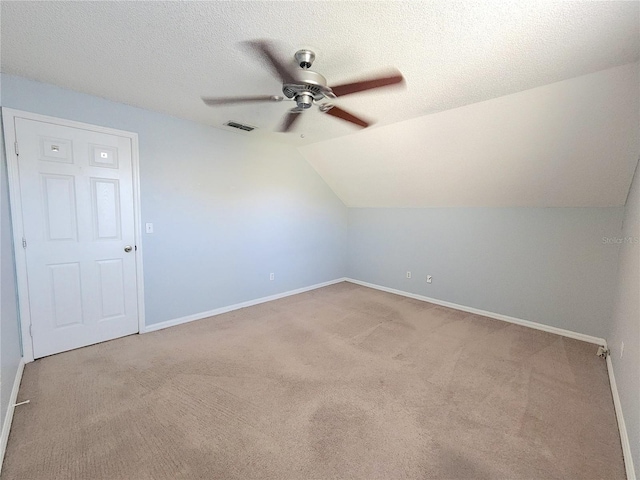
(306, 87)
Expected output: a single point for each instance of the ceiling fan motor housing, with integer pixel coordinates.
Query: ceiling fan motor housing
(308, 86)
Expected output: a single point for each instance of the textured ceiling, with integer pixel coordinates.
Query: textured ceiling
(164, 56)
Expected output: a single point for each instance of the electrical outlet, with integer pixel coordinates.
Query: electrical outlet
(272, 276)
(429, 278)
(408, 274)
(621, 349)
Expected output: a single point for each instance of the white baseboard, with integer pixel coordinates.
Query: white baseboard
(484, 313)
(199, 316)
(624, 437)
(6, 426)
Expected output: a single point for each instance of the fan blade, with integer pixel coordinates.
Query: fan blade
(215, 101)
(291, 118)
(264, 48)
(377, 82)
(344, 115)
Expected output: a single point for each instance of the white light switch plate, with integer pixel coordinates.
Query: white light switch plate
(149, 227)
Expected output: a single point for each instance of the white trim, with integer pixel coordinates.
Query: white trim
(135, 162)
(229, 308)
(484, 313)
(6, 426)
(624, 437)
(8, 116)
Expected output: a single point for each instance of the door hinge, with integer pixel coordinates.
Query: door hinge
(603, 352)
(24, 242)
(15, 147)
(30, 330)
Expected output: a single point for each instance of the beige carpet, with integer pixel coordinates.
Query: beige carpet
(343, 382)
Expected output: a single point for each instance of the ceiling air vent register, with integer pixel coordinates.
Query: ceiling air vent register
(239, 126)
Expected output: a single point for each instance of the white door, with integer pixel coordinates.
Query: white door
(76, 189)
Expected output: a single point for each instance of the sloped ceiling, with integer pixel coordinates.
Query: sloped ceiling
(573, 143)
(506, 103)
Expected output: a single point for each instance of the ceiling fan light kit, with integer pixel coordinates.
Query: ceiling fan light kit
(305, 87)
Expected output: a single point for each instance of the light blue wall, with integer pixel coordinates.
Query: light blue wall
(227, 209)
(547, 265)
(10, 353)
(625, 323)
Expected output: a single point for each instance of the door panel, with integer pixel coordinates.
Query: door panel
(103, 156)
(66, 294)
(76, 189)
(112, 285)
(105, 199)
(59, 195)
(56, 150)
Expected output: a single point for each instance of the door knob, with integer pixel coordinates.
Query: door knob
(128, 248)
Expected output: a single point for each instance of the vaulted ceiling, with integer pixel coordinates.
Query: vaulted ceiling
(573, 143)
(457, 58)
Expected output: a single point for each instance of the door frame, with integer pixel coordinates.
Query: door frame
(8, 119)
